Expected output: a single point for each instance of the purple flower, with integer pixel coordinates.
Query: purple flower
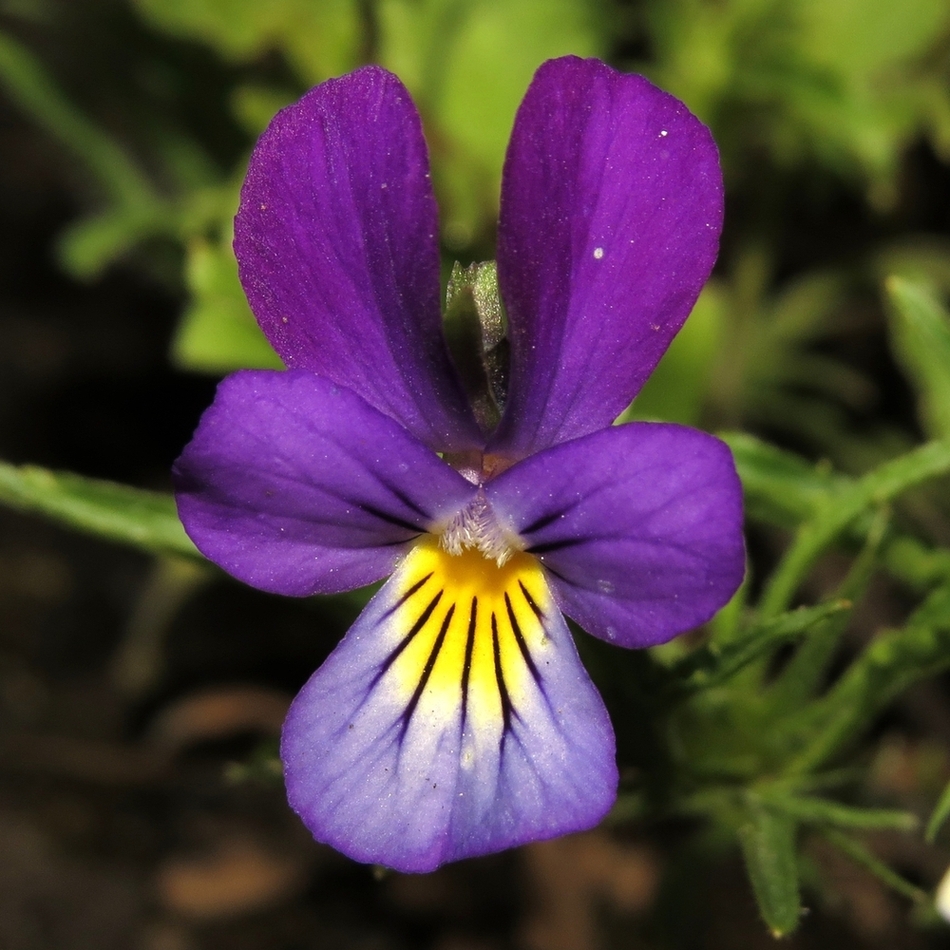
(454, 718)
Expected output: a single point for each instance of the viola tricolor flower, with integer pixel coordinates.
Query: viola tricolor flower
(454, 718)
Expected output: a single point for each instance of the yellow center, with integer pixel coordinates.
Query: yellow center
(474, 632)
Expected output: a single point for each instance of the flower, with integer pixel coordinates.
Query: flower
(455, 718)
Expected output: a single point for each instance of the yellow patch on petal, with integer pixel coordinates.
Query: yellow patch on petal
(472, 634)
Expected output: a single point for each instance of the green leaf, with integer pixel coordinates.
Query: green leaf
(468, 64)
(710, 666)
(255, 105)
(822, 811)
(783, 490)
(678, 387)
(321, 39)
(806, 671)
(940, 814)
(886, 668)
(920, 328)
(858, 853)
(861, 37)
(143, 519)
(28, 85)
(217, 332)
(835, 514)
(87, 246)
(768, 846)
(780, 488)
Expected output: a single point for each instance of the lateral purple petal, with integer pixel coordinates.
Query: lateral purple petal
(297, 486)
(336, 239)
(639, 527)
(441, 728)
(611, 209)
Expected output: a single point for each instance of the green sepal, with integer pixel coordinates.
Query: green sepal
(476, 332)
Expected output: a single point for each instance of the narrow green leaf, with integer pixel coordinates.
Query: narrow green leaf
(805, 672)
(920, 328)
(885, 669)
(768, 846)
(711, 666)
(783, 490)
(815, 535)
(939, 816)
(858, 853)
(319, 39)
(780, 488)
(143, 519)
(914, 563)
(823, 811)
(27, 84)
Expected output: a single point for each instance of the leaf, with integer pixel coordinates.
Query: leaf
(780, 488)
(783, 490)
(143, 519)
(920, 328)
(217, 332)
(822, 811)
(86, 247)
(858, 853)
(940, 814)
(803, 675)
(833, 515)
(29, 86)
(886, 668)
(768, 846)
(708, 666)
(321, 39)
(678, 387)
(861, 37)
(467, 64)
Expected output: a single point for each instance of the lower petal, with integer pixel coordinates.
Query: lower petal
(454, 719)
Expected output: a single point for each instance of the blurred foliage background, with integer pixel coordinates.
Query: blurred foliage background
(793, 755)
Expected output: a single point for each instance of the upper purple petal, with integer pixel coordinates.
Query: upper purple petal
(639, 526)
(611, 209)
(336, 239)
(295, 485)
(454, 719)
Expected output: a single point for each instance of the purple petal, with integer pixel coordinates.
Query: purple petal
(454, 719)
(336, 242)
(296, 486)
(611, 209)
(639, 526)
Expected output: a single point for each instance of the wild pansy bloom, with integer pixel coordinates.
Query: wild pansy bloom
(455, 718)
